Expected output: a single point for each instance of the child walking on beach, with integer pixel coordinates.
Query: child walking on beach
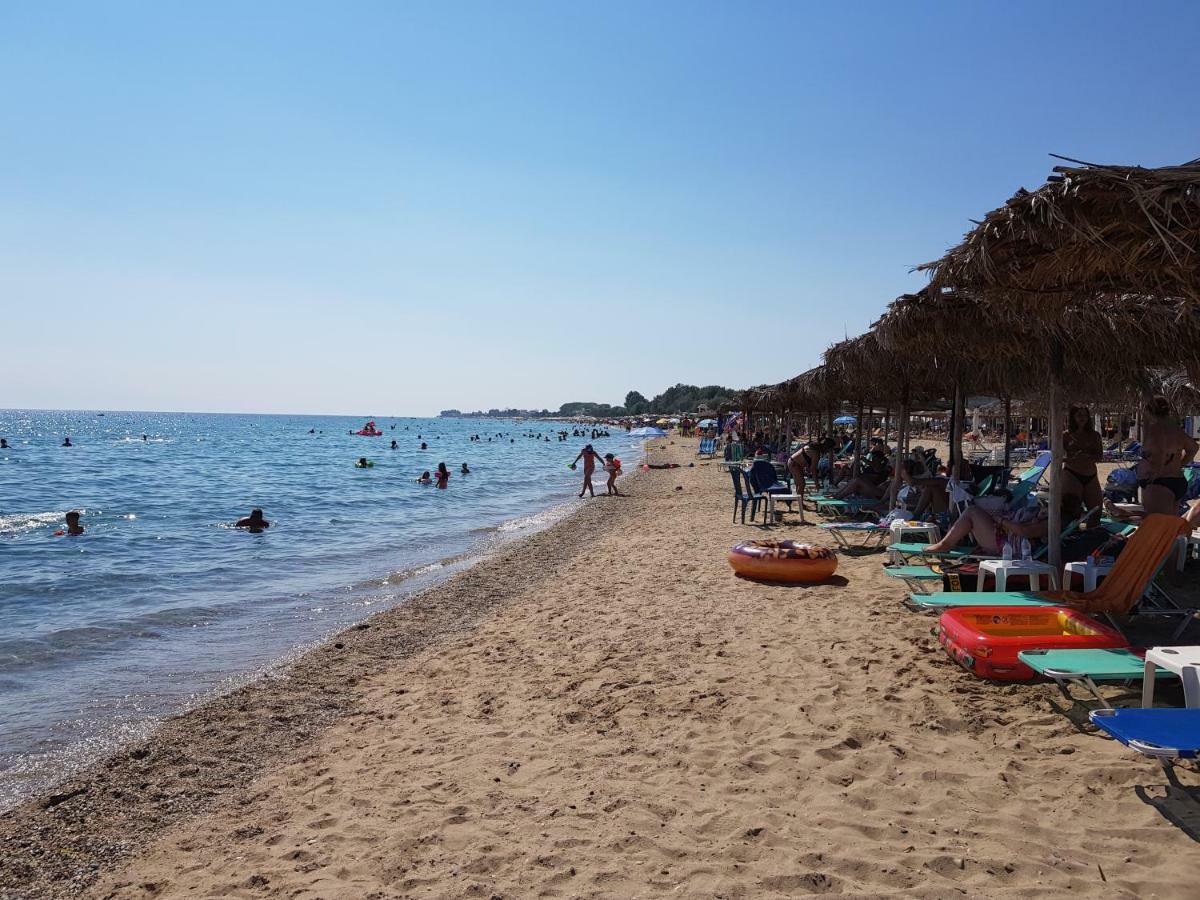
(612, 466)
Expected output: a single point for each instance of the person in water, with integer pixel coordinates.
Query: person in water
(74, 529)
(1082, 449)
(465, 470)
(612, 466)
(443, 476)
(590, 457)
(3, 444)
(67, 442)
(1166, 451)
(254, 522)
(395, 446)
(363, 463)
(424, 446)
(145, 438)
(425, 479)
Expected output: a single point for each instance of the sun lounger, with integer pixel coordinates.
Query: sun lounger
(708, 447)
(1086, 667)
(1158, 733)
(847, 507)
(872, 536)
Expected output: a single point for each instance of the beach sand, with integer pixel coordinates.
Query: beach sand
(604, 710)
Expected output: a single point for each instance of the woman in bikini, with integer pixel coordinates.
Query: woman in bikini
(804, 461)
(1082, 449)
(1166, 451)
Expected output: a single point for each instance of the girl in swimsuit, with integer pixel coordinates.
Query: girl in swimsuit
(1082, 449)
(1166, 451)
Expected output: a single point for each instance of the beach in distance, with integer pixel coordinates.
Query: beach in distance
(602, 710)
(162, 602)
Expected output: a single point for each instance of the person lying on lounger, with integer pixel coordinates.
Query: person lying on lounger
(991, 533)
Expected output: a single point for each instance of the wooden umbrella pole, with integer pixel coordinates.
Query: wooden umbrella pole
(955, 435)
(1007, 442)
(858, 441)
(1054, 525)
(895, 491)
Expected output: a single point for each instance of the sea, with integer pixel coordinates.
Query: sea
(162, 604)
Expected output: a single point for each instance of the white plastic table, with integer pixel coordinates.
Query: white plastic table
(1002, 568)
(771, 498)
(903, 531)
(1089, 573)
(1184, 662)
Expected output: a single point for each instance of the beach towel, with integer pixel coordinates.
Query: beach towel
(1143, 554)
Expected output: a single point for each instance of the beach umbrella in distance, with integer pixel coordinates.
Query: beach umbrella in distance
(707, 423)
(844, 420)
(647, 433)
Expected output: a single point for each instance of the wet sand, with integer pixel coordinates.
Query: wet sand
(603, 710)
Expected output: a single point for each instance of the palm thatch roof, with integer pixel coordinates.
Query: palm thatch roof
(1108, 343)
(1121, 230)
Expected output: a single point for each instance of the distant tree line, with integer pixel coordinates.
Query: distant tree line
(680, 398)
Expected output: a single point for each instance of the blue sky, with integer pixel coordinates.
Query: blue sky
(391, 208)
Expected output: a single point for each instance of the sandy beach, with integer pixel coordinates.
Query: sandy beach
(604, 710)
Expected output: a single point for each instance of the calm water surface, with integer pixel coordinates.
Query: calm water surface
(161, 602)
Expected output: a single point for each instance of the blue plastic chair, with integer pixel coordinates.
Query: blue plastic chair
(742, 497)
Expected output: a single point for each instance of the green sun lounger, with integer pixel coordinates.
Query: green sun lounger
(919, 572)
(907, 549)
(1086, 667)
(951, 599)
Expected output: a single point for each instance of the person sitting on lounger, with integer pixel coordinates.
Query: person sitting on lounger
(991, 533)
(871, 481)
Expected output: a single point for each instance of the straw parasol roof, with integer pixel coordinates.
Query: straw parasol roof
(1121, 230)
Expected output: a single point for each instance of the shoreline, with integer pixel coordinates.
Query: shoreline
(115, 804)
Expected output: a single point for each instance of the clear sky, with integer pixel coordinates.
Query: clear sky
(391, 208)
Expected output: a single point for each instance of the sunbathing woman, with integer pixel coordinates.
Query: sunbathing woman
(990, 533)
(1166, 451)
(1082, 449)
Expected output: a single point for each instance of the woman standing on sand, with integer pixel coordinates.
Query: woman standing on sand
(1082, 449)
(1166, 451)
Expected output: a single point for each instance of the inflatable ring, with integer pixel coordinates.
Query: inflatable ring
(782, 561)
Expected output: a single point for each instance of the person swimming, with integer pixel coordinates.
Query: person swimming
(465, 470)
(74, 529)
(3, 444)
(67, 442)
(254, 522)
(425, 479)
(363, 463)
(145, 438)
(424, 446)
(395, 446)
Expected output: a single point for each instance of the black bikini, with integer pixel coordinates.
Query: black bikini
(1175, 484)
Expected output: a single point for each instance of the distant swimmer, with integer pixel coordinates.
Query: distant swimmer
(67, 442)
(312, 431)
(424, 446)
(145, 438)
(465, 470)
(255, 521)
(363, 463)
(425, 479)
(74, 529)
(3, 444)
(443, 475)
(395, 446)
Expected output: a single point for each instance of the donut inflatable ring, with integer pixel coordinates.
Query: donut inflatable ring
(782, 561)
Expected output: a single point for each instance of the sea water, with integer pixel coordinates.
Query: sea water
(162, 602)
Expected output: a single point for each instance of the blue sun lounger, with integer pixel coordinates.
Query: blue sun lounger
(1158, 733)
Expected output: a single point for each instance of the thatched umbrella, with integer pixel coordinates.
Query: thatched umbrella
(1094, 347)
(1090, 229)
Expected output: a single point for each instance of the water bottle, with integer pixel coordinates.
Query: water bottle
(1026, 550)
(1006, 551)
